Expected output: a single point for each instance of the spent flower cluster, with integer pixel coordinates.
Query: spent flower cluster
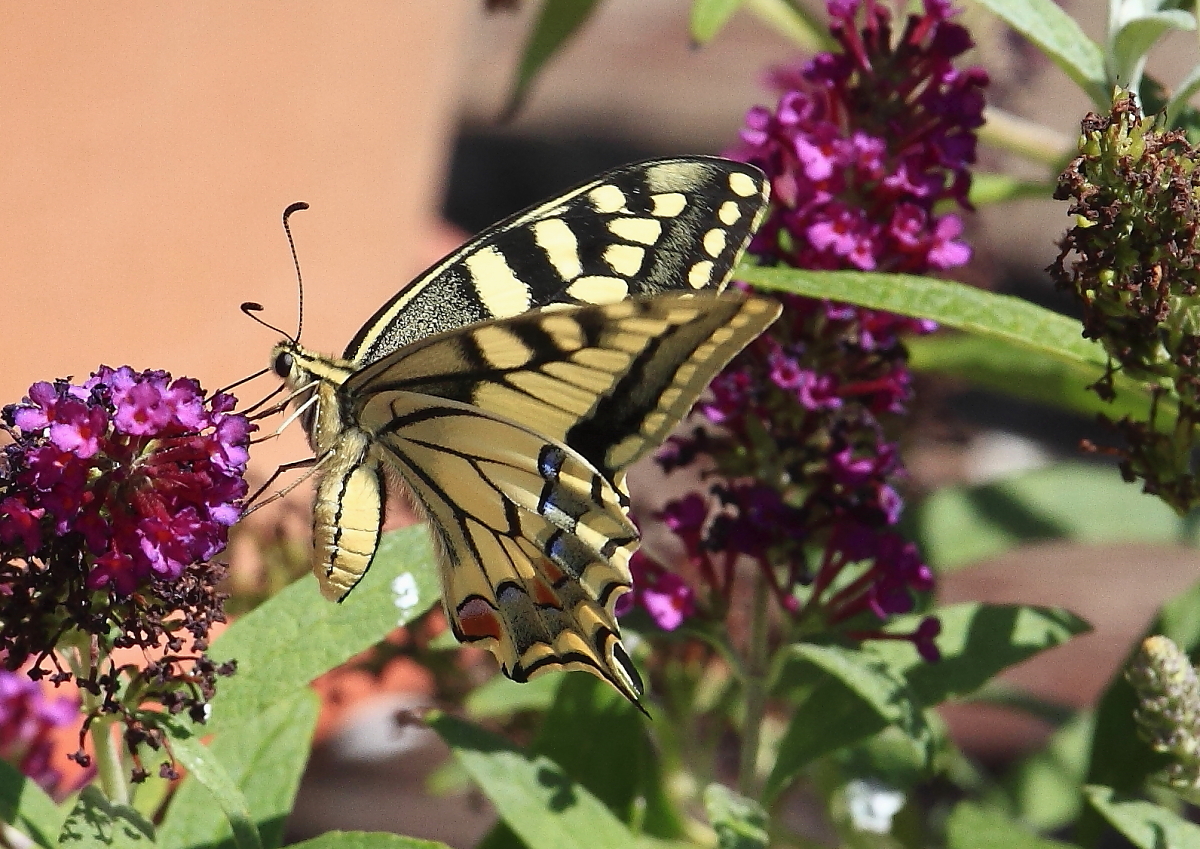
(862, 149)
(114, 496)
(1131, 260)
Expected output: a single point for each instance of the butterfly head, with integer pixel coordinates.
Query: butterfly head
(288, 363)
(312, 381)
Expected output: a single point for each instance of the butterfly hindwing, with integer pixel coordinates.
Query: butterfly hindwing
(482, 425)
(534, 544)
(638, 230)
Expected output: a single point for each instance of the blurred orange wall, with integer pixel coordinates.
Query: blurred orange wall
(149, 149)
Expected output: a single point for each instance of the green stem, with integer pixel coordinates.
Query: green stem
(109, 770)
(755, 682)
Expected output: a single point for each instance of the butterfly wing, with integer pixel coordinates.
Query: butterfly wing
(610, 381)
(485, 425)
(638, 230)
(534, 544)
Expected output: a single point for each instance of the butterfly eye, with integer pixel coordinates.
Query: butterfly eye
(282, 364)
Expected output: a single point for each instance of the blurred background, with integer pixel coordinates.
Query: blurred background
(151, 148)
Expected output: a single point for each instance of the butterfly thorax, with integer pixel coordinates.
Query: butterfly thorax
(306, 372)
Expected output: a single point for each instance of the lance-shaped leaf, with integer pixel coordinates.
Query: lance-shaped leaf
(891, 685)
(532, 794)
(296, 635)
(27, 807)
(98, 823)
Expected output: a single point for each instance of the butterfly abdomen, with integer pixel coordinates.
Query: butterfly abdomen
(347, 515)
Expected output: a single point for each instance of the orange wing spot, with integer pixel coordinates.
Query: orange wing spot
(550, 569)
(544, 594)
(478, 621)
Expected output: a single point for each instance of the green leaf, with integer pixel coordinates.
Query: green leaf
(971, 826)
(1058, 36)
(1188, 86)
(556, 23)
(204, 768)
(366, 840)
(500, 696)
(709, 18)
(946, 302)
(26, 806)
(297, 635)
(806, 30)
(1134, 39)
(1007, 320)
(829, 717)
(961, 525)
(977, 641)
(97, 823)
(988, 188)
(265, 759)
(599, 740)
(841, 708)
(1004, 366)
(740, 823)
(532, 794)
(877, 683)
(1144, 824)
(1045, 788)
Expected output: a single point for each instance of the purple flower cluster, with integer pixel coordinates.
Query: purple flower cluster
(862, 145)
(145, 469)
(865, 142)
(115, 495)
(28, 722)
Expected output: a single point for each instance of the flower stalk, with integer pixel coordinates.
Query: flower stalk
(755, 681)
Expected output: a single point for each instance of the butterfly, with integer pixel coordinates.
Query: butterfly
(510, 387)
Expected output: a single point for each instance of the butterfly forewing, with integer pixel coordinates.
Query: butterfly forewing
(511, 386)
(610, 381)
(637, 230)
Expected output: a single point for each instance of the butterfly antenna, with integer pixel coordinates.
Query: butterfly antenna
(250, 308)
(287, 228)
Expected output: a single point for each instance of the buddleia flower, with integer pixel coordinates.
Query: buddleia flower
(115, 495)
(1168, 712)
(866, 150)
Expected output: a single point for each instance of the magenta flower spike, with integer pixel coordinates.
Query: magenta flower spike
(864, 150)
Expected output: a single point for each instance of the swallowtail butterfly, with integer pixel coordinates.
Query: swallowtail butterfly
(511, 386)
